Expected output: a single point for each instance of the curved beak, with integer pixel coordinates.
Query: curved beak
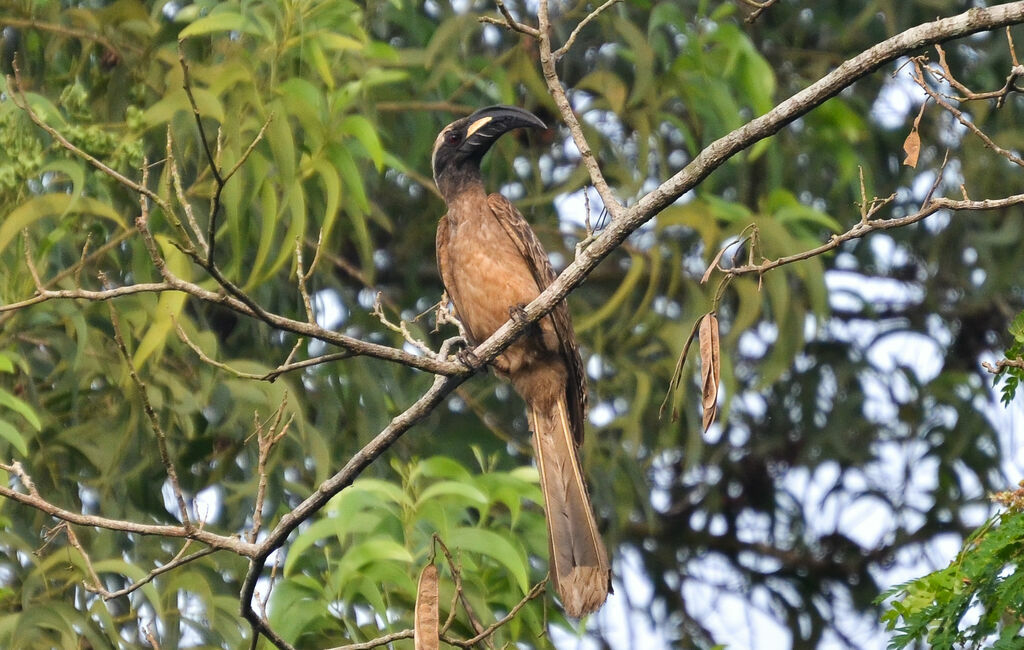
(490, 123)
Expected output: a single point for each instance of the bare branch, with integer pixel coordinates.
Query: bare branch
(248, 150)
(718, 152)
(955, 112)
(266, 440)
(179, 191)
(1002, 364)
(379, 641)
(759, 7)
(536, 591)
(863, 228)
(154, 420)
(509, 22)
(560, 52)
(547, 64)
(34, 500)
(70, 32)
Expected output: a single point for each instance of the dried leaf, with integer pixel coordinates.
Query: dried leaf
(677, 374)
(912, 145)
(714, 262)
(710, 368)
(426, 634)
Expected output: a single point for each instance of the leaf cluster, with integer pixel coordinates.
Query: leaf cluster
(975, 602)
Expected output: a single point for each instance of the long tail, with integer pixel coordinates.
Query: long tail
(579, 562)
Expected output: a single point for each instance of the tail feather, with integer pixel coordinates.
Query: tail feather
(579, 561)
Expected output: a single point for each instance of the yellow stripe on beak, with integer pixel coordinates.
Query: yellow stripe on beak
(476, 125)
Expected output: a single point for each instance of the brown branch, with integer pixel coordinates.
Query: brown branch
(955, 112)
(379, 641)
(1016, 72)
(1002, 364)
(237, 300)
(154, 420)
(70, 32)
(554, 84)
(509, 22)
(537, 590)
(759, 7)
(266, 440)
(179, 190)
(624, 222)
(33, 499)
(562, 51)
(718, 152)
(863, 228)
(460, 594)
(401, 423)
(86, 294)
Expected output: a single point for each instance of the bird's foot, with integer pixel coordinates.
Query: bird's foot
(468, 358)
(517, 312)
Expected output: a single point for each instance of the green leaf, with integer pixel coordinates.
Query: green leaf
(52, 205)
(224, 21)
(363, 130)
(11, 435)
(494, 546)
(296, 604)
(453, 488)
(168, 308)
(1017, 327)
(20, 407)
(608, 85)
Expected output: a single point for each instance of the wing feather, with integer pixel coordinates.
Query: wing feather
(525, 240)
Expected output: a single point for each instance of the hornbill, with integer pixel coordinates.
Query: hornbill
(492, 265)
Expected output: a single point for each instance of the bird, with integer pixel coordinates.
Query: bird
(492, 264)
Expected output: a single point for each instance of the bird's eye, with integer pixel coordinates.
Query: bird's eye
(452, 137)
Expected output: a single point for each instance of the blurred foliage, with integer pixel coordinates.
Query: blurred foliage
(851, 383)
(1012, 375)
(985, 582)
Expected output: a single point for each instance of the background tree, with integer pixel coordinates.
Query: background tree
(200, 199)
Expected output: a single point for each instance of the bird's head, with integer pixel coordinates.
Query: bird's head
(462, 144)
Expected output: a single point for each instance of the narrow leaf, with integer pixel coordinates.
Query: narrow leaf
(11, 435)
(21, 407)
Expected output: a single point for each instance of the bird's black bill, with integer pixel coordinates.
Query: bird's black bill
(488, 124)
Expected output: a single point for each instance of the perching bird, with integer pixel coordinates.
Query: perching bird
(492, 265)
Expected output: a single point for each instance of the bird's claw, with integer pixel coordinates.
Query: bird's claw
(517, 312)
(468, 358)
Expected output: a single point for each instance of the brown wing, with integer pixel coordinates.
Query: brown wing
(533, 252)
(444, 266)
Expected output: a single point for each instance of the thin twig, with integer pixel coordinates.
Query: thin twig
(509, 22)
(266, 440)
(955, 112)
(34, 500)
(154, 420)
(554, 84)
(560, 52)
(19, 100)
(1002, 364)
(759, 7)
(536, 591)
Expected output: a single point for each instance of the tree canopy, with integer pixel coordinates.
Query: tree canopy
(226, 384)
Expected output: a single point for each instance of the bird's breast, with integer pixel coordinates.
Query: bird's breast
(488, 272)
